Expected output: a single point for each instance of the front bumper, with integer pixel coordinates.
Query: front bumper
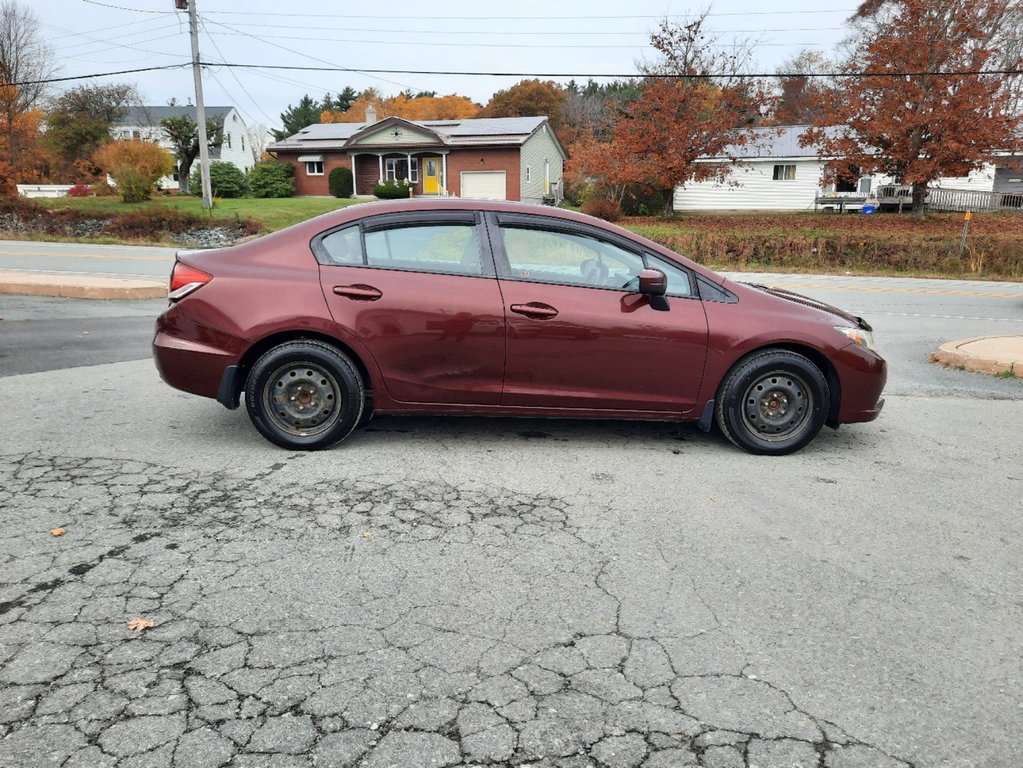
(862, 375)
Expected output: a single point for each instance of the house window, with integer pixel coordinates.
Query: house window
(229, 141)
(398, 169)
(528, 175)
(136, 134)
(784, 172)
(314, 168)
(243, 142)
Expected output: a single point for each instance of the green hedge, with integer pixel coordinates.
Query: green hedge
(392, 190)
(272, 178)
(226, 180)
(340, 182)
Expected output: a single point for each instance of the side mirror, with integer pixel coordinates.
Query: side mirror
(653, 282)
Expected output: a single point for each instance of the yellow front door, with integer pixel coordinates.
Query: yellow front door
(431, 175)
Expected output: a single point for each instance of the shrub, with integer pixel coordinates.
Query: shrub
(603, 208)
(272, 178)
(143, 223)
(643, 201)
(79, 190)
(135, 166)
(392, 190)
(340, 182)
(226, 180)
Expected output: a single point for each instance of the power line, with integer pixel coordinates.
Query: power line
(530, 33)
(619, 75)
(307, 56)
(202, 22)
(526, 18)
(559, 75)
(93, 75)
(125, 8)
(476, 44)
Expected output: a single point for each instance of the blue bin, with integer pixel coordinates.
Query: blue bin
(868, 209)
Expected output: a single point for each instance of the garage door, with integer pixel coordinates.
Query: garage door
(484, 185)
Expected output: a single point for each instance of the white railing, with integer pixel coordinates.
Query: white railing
(43, 190)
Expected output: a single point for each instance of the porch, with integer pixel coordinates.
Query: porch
(425, 170)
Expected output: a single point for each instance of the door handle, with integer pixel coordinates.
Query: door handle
(358, 292)
(535, 309)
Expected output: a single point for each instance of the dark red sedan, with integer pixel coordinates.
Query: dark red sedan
(502, 309)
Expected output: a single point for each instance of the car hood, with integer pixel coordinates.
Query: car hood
(806, 301)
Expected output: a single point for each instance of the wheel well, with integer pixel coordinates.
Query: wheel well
(263, 345)
(822, 362)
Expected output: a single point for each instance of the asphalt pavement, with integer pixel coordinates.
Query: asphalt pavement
(467, 592)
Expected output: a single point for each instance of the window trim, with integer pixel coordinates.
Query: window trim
(313, 162)
(404, 220)
(497, 221)
(391, 169)
(528, 179)
(783, 176)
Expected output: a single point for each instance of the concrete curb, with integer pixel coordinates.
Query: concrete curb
(983, 354)
(81, 286)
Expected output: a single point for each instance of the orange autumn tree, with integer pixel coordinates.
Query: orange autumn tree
(135, 165)
(21, 133)
(922, 120)
(450, 107)
(693, 104)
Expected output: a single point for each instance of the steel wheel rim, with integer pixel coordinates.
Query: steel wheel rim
(777, 406)
(302, 399)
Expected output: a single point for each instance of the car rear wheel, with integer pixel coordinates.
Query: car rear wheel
(304, 395)
(773, 403)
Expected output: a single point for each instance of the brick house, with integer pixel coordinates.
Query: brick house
(500, 158)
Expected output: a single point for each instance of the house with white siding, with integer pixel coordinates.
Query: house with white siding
(144, 123)
(497, 158)
(773, 172)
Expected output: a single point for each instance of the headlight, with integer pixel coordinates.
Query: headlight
(859, 336)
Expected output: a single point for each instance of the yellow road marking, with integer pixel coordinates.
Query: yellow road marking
(868, 289)
(85, 256)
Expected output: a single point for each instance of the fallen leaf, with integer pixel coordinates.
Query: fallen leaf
(58, 531)
(367, 534)
(138, 624)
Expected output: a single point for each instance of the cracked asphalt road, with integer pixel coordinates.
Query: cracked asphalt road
(470, 592)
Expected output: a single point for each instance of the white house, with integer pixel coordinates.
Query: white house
(774, 172)
(144, 123)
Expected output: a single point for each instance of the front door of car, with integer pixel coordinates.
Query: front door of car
(579, 333)
(418, 290)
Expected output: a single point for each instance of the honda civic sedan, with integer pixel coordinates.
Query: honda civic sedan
(502, 309)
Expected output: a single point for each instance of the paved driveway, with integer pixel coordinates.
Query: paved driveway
(455, 592)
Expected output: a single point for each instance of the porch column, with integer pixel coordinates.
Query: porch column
(355, 182)
(444, 172)
(408, 167)
(380, 163)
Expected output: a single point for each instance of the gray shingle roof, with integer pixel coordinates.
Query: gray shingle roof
(774, 141)
(153, 115)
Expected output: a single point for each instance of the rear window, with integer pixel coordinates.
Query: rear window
(453, 248)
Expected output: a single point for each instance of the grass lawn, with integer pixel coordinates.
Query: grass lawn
(273, 213)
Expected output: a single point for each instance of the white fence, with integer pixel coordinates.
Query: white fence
(44, 190)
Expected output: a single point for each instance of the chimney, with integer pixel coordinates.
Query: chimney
(371, 114)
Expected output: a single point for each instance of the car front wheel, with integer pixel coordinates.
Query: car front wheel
(304, 395)
(773, 402)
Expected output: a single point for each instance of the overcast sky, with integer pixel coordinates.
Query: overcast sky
(528, 36)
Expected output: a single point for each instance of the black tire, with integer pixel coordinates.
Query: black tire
(304, 395)
(773, 402)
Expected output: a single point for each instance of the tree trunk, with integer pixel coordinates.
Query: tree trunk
(919, 195)
(184, 172)
(669, 202)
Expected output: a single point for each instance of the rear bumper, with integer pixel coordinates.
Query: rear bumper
(191, 357)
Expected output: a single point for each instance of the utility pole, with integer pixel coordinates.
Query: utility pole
(200, 110)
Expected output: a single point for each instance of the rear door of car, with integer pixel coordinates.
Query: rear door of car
(418, 289)
(579, 333)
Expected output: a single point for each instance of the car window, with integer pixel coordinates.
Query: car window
(453, 248)
(343, 246)
(679, 282)
(559, 257)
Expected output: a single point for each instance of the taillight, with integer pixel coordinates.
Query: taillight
(185, 279)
